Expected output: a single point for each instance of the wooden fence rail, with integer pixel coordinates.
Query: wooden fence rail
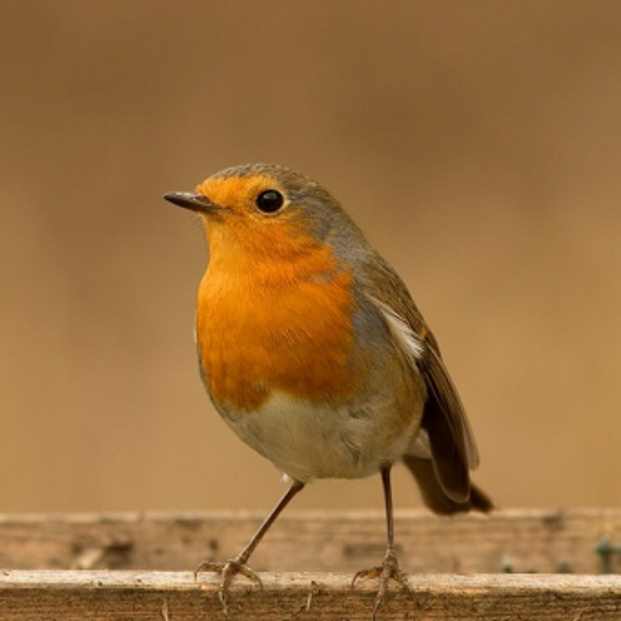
(175, 596)
(58, 566)
(578, 541)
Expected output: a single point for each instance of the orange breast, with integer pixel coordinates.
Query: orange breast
(276, 323)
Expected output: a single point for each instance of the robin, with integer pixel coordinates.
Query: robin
(313, 351)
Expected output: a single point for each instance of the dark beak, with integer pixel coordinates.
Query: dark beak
(188, 200)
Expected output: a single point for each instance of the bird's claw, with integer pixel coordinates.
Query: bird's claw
(228, 570)
(387, 571)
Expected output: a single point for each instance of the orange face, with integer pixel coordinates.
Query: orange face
(271, 300)
(238, 194)
(244, 236)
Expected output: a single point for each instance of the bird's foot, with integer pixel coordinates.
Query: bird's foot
(228, 570)
(387, 571)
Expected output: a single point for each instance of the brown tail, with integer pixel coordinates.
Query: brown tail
(435, 497)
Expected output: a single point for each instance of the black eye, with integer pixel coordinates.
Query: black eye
(270, 201)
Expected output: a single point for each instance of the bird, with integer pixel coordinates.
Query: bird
(314, 353)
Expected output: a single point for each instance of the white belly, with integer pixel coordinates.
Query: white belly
(306, 441)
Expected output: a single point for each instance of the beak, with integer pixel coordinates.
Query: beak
(194, 202)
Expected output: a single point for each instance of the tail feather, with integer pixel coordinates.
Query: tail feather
(434, 495)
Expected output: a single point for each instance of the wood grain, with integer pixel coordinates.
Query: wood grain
(168, 596)
(516, 540)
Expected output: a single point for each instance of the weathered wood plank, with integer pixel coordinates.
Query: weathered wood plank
(167, 596)
(520, 540)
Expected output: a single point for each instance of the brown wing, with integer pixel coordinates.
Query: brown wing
(452, 444)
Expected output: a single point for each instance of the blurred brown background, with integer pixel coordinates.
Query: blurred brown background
(478, 144)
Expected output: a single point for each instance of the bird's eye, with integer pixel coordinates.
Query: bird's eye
(270, 201)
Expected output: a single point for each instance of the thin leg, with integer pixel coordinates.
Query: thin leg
(389, 569)
(229, 569)
(390, 523)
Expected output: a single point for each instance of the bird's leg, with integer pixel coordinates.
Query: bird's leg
(229, 569)
(389, 569)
